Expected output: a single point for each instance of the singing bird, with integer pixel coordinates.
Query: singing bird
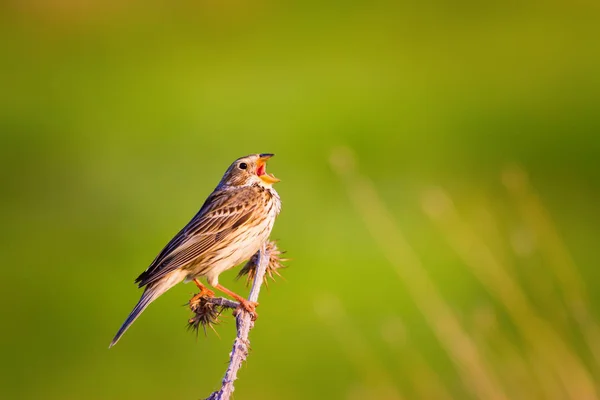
(235, 220)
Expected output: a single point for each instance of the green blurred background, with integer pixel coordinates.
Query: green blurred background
(117, 119)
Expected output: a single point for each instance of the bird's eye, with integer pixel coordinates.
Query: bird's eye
(243, 165)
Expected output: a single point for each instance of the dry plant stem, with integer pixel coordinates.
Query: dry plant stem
(244, 323)
(223, 302)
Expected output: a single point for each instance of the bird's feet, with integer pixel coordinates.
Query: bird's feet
(248, 306)
(204, 292)
(245, 304)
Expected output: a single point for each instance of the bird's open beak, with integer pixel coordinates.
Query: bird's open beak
(261, 169)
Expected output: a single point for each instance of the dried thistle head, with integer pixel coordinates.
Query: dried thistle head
(275, 263)
(206, 313)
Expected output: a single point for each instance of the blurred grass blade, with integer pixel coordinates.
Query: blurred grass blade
(377, 381)
(556, 255)
(476, 375)
(548, 346)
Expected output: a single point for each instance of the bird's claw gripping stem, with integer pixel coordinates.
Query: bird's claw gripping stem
(248, 306)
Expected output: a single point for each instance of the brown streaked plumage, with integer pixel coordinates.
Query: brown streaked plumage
(235, 220)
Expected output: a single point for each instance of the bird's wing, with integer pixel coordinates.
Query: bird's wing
(223, 212)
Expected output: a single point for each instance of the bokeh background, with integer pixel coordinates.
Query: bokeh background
(440, 183)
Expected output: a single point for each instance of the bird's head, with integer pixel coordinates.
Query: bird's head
(248, 170)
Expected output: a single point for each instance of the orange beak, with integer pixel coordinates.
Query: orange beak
(261, 169)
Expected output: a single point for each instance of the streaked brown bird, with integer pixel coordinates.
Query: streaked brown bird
(235, 220)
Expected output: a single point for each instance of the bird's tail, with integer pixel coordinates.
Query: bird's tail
(151, 293)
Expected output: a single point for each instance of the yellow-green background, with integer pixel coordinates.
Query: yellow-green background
(117, 119)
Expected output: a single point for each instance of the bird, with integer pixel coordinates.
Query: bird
(230, 227)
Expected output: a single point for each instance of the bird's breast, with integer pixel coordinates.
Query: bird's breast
(246, 241)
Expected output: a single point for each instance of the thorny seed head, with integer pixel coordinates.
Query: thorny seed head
(275, 263)
(205, 312)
